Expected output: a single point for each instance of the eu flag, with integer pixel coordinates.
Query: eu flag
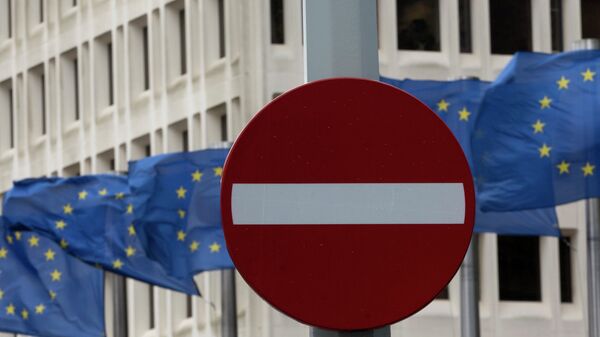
(178, 196)
(537, 138)
(43, 290)
(457, 104)
(92, 217)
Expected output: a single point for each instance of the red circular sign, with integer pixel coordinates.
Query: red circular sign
(347, 204)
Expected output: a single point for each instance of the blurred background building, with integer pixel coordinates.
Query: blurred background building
(86, 85)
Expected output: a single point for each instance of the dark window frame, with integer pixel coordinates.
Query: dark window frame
(519, 268)
(277, 22)
(418, 34)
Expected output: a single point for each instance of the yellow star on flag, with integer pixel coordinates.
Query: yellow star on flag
(10, 310)
(3, 253)
(563, 167)
(194, 246)
(103, 192)
(215, 247)
(218, 171)
(120, 195)
(181, 213)
(25, 314)
(443, 105)
(181, 236)
(49, 254)
(18, 236)
(68, 209)
(9, 239)
(60, 225)
(197, 175)
(64, 244)
(563, 83)
(83, 195)
(588, 169)
(464, 114)
(39, 309)
(544, 151)
(130, 209)
(545, 102)
(52, 295)
(55, 275)
(538, 126)
(130, 251)
(117, 264)
(588, 75)
(34, 241)
(131, 230)
(181, 192)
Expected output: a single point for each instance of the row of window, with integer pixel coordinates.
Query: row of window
(418, 24)
(144, 50)
(519, 269)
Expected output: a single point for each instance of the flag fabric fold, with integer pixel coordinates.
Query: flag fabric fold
(537, 137)
(43, 289)
(178, 196)
(457, 103)
(92, 218)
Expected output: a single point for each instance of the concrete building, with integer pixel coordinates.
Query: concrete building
(86, 85)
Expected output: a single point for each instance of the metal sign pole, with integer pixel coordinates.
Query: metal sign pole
(592, 207)
(340, 40)
(469, 306)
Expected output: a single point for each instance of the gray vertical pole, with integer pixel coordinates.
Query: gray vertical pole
(120, 306)
(469, 306)
(340, 40)
(228, 295)
(592, 207)
(229, 306)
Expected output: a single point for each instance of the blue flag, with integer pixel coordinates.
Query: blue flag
(537, 138)
(45, 292)
(457, 104)
(92, 217)
(178, 196)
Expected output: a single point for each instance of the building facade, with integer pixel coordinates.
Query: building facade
(86, 85)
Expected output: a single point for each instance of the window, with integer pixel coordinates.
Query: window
(519, 268)
(418, 24)
(146, 62)
(104, 93)
(105, 162)
(151, 323)
(590, 12)
(216, 124)
(5, 19)
(185, 141)
(557, 24)
(277, 22)
(189, 306)
(444, 294)
(566, 276)
(221, 8)
(37, 101)
(70, 86)
(72, 171)
(41, 10)
(464, 22)
(510, 26)
(7, 140)
(182, 51)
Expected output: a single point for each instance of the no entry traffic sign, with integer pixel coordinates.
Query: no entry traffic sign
(347, 204)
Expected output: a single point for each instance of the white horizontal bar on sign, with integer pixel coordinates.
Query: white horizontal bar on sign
(313, 204)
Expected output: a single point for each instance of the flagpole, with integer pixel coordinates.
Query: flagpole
(592, 208)
(340, 40)
(120, 305)
(228, 293)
